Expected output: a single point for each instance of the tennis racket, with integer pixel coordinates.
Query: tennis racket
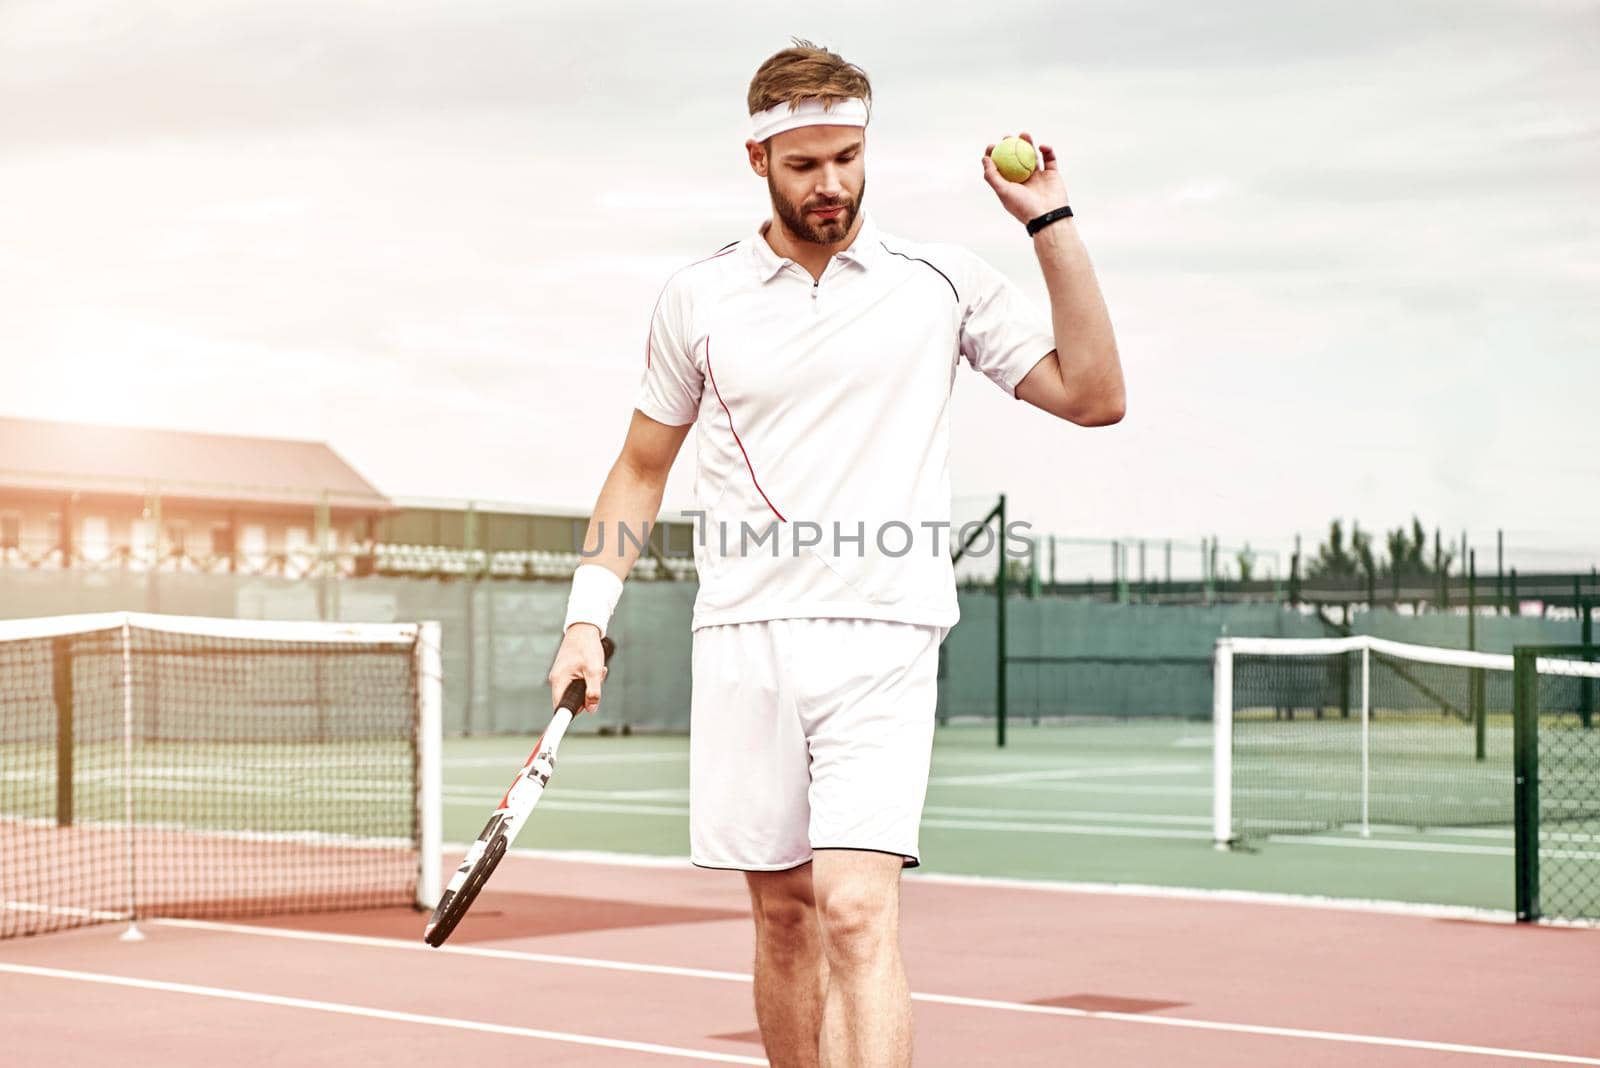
(508, 818)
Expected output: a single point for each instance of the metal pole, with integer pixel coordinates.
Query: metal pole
(1499, 572)
(1144, 591)
(1222, 746)
(1525, 775)
(1475, 697)
(61, 662)
(1586, 694)
(1344, 672)
(470, 672)
(429, 662)
(1000, 635)
(132, 934)
(1366, 742)
(1472, 598)
(1294, 573)
(1214, 580)
(1439, 565)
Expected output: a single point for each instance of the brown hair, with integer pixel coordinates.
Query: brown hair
(806, 70)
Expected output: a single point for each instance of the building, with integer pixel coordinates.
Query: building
(82, 496)
(94, 497)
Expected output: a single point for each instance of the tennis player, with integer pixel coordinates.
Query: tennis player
(816, 357)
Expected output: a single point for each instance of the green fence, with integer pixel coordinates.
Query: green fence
(1557, 775)
(1065, 657)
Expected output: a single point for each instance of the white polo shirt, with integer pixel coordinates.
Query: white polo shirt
(822, 477)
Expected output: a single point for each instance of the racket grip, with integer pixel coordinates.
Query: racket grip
(572, 698)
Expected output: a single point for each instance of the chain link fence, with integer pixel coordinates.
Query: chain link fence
(1557, 773)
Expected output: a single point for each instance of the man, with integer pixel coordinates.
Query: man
(817, 358)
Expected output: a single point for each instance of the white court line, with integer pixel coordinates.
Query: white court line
(510, 761)
(666, 793)
(1274, 1032)
(1090, 815)
(576, 806)
(1065, 828)
(1001, 778)
(937, 999)
(1429, 847)
(1378, 843)
(1039, 827)
(341, 1009)
(63, 910)
(1179, 893)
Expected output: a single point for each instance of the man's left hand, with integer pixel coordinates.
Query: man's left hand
(1043, 191)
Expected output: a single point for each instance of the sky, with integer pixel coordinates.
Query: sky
(1351, 250)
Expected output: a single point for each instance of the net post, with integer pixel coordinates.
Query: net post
(1525, 766)
(61, 649)
(132, 934)
(1000, 632)
(1222, 745)
(1366, 741)
(430, 763)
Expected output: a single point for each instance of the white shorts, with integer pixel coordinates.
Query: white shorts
(809, 734)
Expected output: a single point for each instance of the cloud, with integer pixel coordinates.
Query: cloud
(1349, 248)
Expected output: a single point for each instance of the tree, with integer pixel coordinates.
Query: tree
(1334, 559)
(1361, 546)
(1331, 560)
(1407, 551)
(1246, 559)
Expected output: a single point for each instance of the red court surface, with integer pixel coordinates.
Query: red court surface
(578, 963)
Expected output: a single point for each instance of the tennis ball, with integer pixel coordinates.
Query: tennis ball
(1015, 159)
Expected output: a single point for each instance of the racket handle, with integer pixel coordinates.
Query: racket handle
(577, 690)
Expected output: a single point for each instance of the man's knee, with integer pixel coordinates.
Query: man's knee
(786, 916)
(859, 923)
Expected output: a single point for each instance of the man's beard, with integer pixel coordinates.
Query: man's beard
(825, 231)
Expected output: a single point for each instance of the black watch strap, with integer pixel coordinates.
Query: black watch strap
(1034, 226)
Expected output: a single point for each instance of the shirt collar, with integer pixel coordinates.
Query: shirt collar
(864, 251)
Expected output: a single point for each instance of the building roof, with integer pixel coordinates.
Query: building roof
(39, 455)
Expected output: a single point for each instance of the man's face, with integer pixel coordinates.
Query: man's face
(817, 176)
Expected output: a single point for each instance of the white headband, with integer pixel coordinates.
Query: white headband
(809, 112)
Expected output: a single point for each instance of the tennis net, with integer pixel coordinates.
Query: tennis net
(1361, 733)
(183, 767)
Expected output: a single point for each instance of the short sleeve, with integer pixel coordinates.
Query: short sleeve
(1003, 333)
(670, 390)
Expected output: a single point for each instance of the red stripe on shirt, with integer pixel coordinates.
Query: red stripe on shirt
(748, 466)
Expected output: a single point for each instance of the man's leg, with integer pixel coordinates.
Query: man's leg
(791, 970)
(866, 1020)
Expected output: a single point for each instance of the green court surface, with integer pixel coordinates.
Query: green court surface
(1114, 802)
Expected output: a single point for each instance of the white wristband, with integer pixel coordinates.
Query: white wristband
(595, 590)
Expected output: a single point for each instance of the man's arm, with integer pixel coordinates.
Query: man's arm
(631, 494)
(631, 498)
(1081, 380)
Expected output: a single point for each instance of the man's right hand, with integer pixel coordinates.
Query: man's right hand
(580, 657)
